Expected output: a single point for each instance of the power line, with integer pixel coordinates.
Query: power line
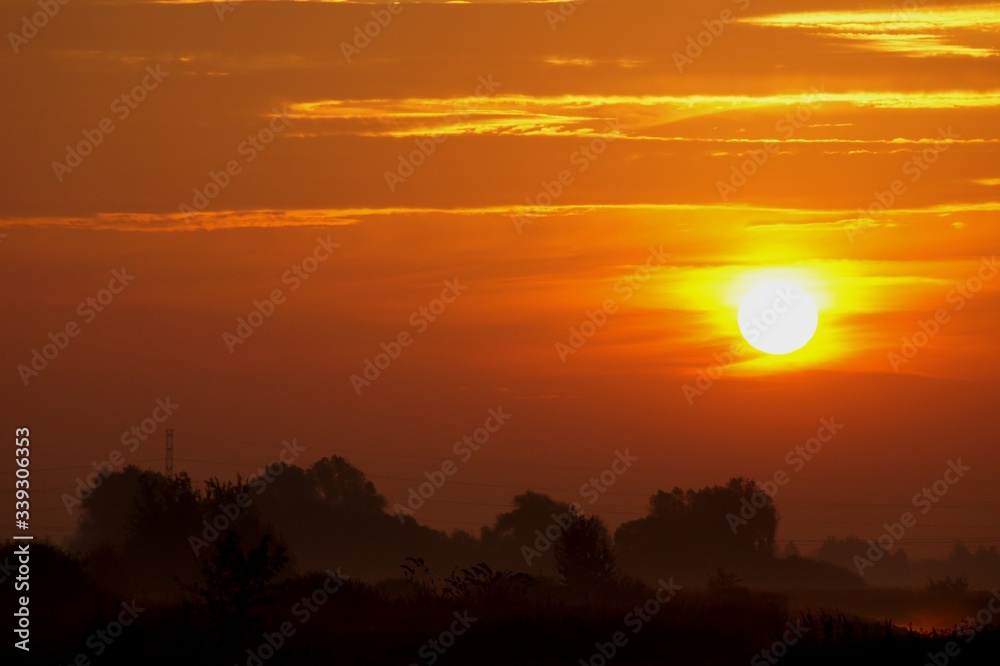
(631, 511)
(88, 466)
(438, 459)
(778, 503)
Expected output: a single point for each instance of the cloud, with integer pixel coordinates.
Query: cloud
(919, 32)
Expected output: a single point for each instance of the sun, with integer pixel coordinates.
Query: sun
(778, 318)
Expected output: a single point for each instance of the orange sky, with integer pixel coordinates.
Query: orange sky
(637, 136)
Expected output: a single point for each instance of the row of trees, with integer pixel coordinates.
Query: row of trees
(962, 568)
(225, 564)
(158, 533)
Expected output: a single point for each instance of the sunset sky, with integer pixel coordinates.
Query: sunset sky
(851, 150)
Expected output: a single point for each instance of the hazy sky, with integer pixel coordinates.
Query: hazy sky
(852, 151)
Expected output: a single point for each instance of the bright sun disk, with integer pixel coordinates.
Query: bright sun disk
(778, 318)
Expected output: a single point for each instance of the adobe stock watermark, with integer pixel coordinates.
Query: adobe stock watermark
(707, 376)
(303, 610)
(122, 107)
(224, 7)
(591, 491)
(547, 537)
(87, 310)
(697, 44)
(928, 329)
(925, 501)
(581, 159)
(420, 319)
(293, 278)
(7, 569)
(900, 13)
(625, 289)
(786, 127)
(635, 620)
(463, 449)
(777, 318)
(248, 149)
(130, 439)
(968, 628)
(431, 651)
(791, 636)
(425, 146)
(602, 483)
(30, 25)
(796, 459)
(102, 639)
(364, 35)
(561, 14)
(229, 512)
(913, 169)
(22, 583)
(771, 318)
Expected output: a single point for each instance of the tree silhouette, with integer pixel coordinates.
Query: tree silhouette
(139, 521)
(532, 513)
(585, 556)
(234, 581)
(344, 487)
(106, 513)
(697, 530)
(724, 582)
